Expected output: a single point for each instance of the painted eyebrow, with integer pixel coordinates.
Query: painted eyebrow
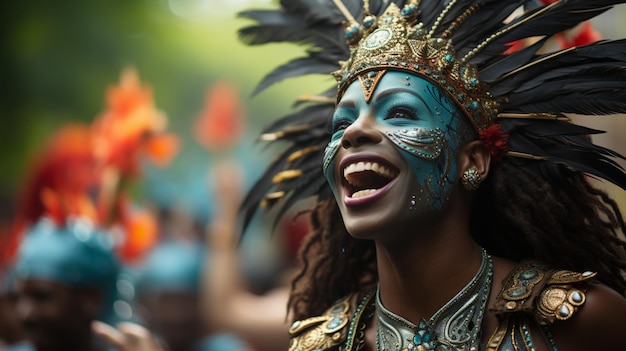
(345, 104)
(385, 94)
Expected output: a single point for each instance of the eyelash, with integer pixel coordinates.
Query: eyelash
(407, 112)
(340, 123)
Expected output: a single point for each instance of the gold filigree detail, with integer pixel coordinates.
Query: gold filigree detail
(559, 302)
(321, 332)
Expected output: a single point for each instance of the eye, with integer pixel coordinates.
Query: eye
(341, 123)
(402, 111)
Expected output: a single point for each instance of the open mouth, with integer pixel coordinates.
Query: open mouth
(364, 178)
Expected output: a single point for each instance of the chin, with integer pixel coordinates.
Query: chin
(372, 224)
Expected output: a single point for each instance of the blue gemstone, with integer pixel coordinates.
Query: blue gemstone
(518, 292)
(417, 339)
(474, 105)
(408, 10)
(473, 81)
(460, 97)
(335, 322)
(529, 274)
(449, 58)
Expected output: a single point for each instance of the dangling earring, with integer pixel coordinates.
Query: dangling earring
(471, 179)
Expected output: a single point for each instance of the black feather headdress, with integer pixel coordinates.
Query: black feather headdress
(525, 93)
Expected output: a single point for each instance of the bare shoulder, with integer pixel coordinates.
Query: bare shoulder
(600, 324)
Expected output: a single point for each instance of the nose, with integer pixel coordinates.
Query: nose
(362, 131)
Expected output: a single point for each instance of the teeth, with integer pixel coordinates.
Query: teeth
(368, 166)
(363, 193)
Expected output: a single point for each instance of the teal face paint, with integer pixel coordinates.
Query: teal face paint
(419, 119)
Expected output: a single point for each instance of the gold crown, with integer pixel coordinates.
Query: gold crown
(396, 41)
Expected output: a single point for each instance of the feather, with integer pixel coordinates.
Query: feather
(581, 103)
(480, 25)
(506, 63)
(545, 21)
(429, 11)
(607, 56)
(278, 27)
(296, 68)
(561, 88)
(310, 115)
(314, 11)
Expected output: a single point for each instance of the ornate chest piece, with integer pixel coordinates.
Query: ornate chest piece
(454, 327)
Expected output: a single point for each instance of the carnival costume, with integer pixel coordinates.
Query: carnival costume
(517, 103)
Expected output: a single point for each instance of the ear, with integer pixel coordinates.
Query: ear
(474, 155)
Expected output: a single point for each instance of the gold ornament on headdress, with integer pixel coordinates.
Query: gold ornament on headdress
(396, 41)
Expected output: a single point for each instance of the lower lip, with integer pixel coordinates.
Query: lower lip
(350, 202)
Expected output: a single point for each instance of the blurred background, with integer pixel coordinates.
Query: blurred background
(58, 59)
(180, 63)
(61, 61)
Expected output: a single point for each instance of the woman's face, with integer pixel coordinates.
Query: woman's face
(392, 160)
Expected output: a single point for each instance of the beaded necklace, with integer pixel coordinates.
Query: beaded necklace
(454, 327)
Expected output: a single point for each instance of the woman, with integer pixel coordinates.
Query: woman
(462, 217)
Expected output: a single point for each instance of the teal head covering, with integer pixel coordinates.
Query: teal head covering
(172, 266)
(76, 254)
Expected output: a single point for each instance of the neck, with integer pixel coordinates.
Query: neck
(419, 277)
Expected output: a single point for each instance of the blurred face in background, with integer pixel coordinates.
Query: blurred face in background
(10, 330)
(53, 316)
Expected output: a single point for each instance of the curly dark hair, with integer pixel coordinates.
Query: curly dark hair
(566, 222)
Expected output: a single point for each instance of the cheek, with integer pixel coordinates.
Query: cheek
(331, 179)
(330, 154)
(432, 178)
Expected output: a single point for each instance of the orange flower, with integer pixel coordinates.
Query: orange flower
(220, 124)
(126, 129)
(140, 232)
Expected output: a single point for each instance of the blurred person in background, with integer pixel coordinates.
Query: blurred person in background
(66, 278)
(168, 297)
(11, 335)
(229, 302)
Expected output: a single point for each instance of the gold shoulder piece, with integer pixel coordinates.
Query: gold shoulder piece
(563, 296)
(323, 332)
(521, 287)
(545, 293)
